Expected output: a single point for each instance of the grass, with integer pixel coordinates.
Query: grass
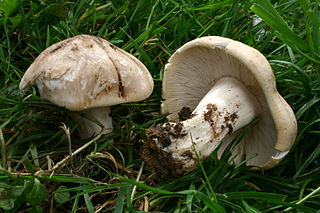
(113, 178)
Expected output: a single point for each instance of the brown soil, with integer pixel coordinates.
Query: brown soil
(164, 133)
(184, 114)
(210, 114)
(158, 160)
(228, 120)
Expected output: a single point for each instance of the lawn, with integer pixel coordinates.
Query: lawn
(37, 173)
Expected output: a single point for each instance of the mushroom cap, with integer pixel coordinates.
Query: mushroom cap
(195, 67)
(86, 71)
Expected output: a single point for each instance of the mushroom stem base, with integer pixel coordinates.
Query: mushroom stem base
(161, 161)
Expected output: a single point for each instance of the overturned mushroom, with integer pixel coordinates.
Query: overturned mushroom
(225, 85)
(88, 74)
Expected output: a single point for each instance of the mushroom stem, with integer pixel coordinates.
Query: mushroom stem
(94, 121)
(227, 107)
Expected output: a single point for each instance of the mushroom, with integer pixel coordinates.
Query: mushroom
(88, 74)
(217, 86)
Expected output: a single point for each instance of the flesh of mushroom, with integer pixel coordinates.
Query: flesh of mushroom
(226, 108)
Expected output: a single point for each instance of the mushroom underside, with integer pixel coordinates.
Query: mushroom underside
(220, 115)
(208, 65)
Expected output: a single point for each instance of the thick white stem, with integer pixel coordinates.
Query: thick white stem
(227, 107)
(94, 121)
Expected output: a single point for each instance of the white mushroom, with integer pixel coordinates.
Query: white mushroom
(226, 85)
(88, 74)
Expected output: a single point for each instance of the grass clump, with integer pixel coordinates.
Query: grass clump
(108, 177)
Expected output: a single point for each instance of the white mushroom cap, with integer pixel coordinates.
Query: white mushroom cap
(195, 67)
(86, 71)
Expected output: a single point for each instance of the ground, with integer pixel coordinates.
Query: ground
(107, 173)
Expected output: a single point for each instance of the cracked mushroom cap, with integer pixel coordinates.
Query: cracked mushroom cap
(195, 67)
(86, 71)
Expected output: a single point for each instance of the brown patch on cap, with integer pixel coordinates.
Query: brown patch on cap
(61, 45)
(99, 42)
(121, 87)
(75, 48)
(113, 47)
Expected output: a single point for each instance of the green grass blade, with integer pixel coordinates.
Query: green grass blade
(120, 204)
(209, 202)
(306, 107)
(248, 208)
(231, 205)
(313, 28)
(270, 15)
(315, 155)
(146, 187)
(271, 197)
(307, 126)
(152, 31)
(190, 198)
(214, 6)
(88, 202)
(75, 204)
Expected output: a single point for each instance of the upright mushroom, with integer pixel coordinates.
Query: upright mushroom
(221, 85)
(88, 74)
